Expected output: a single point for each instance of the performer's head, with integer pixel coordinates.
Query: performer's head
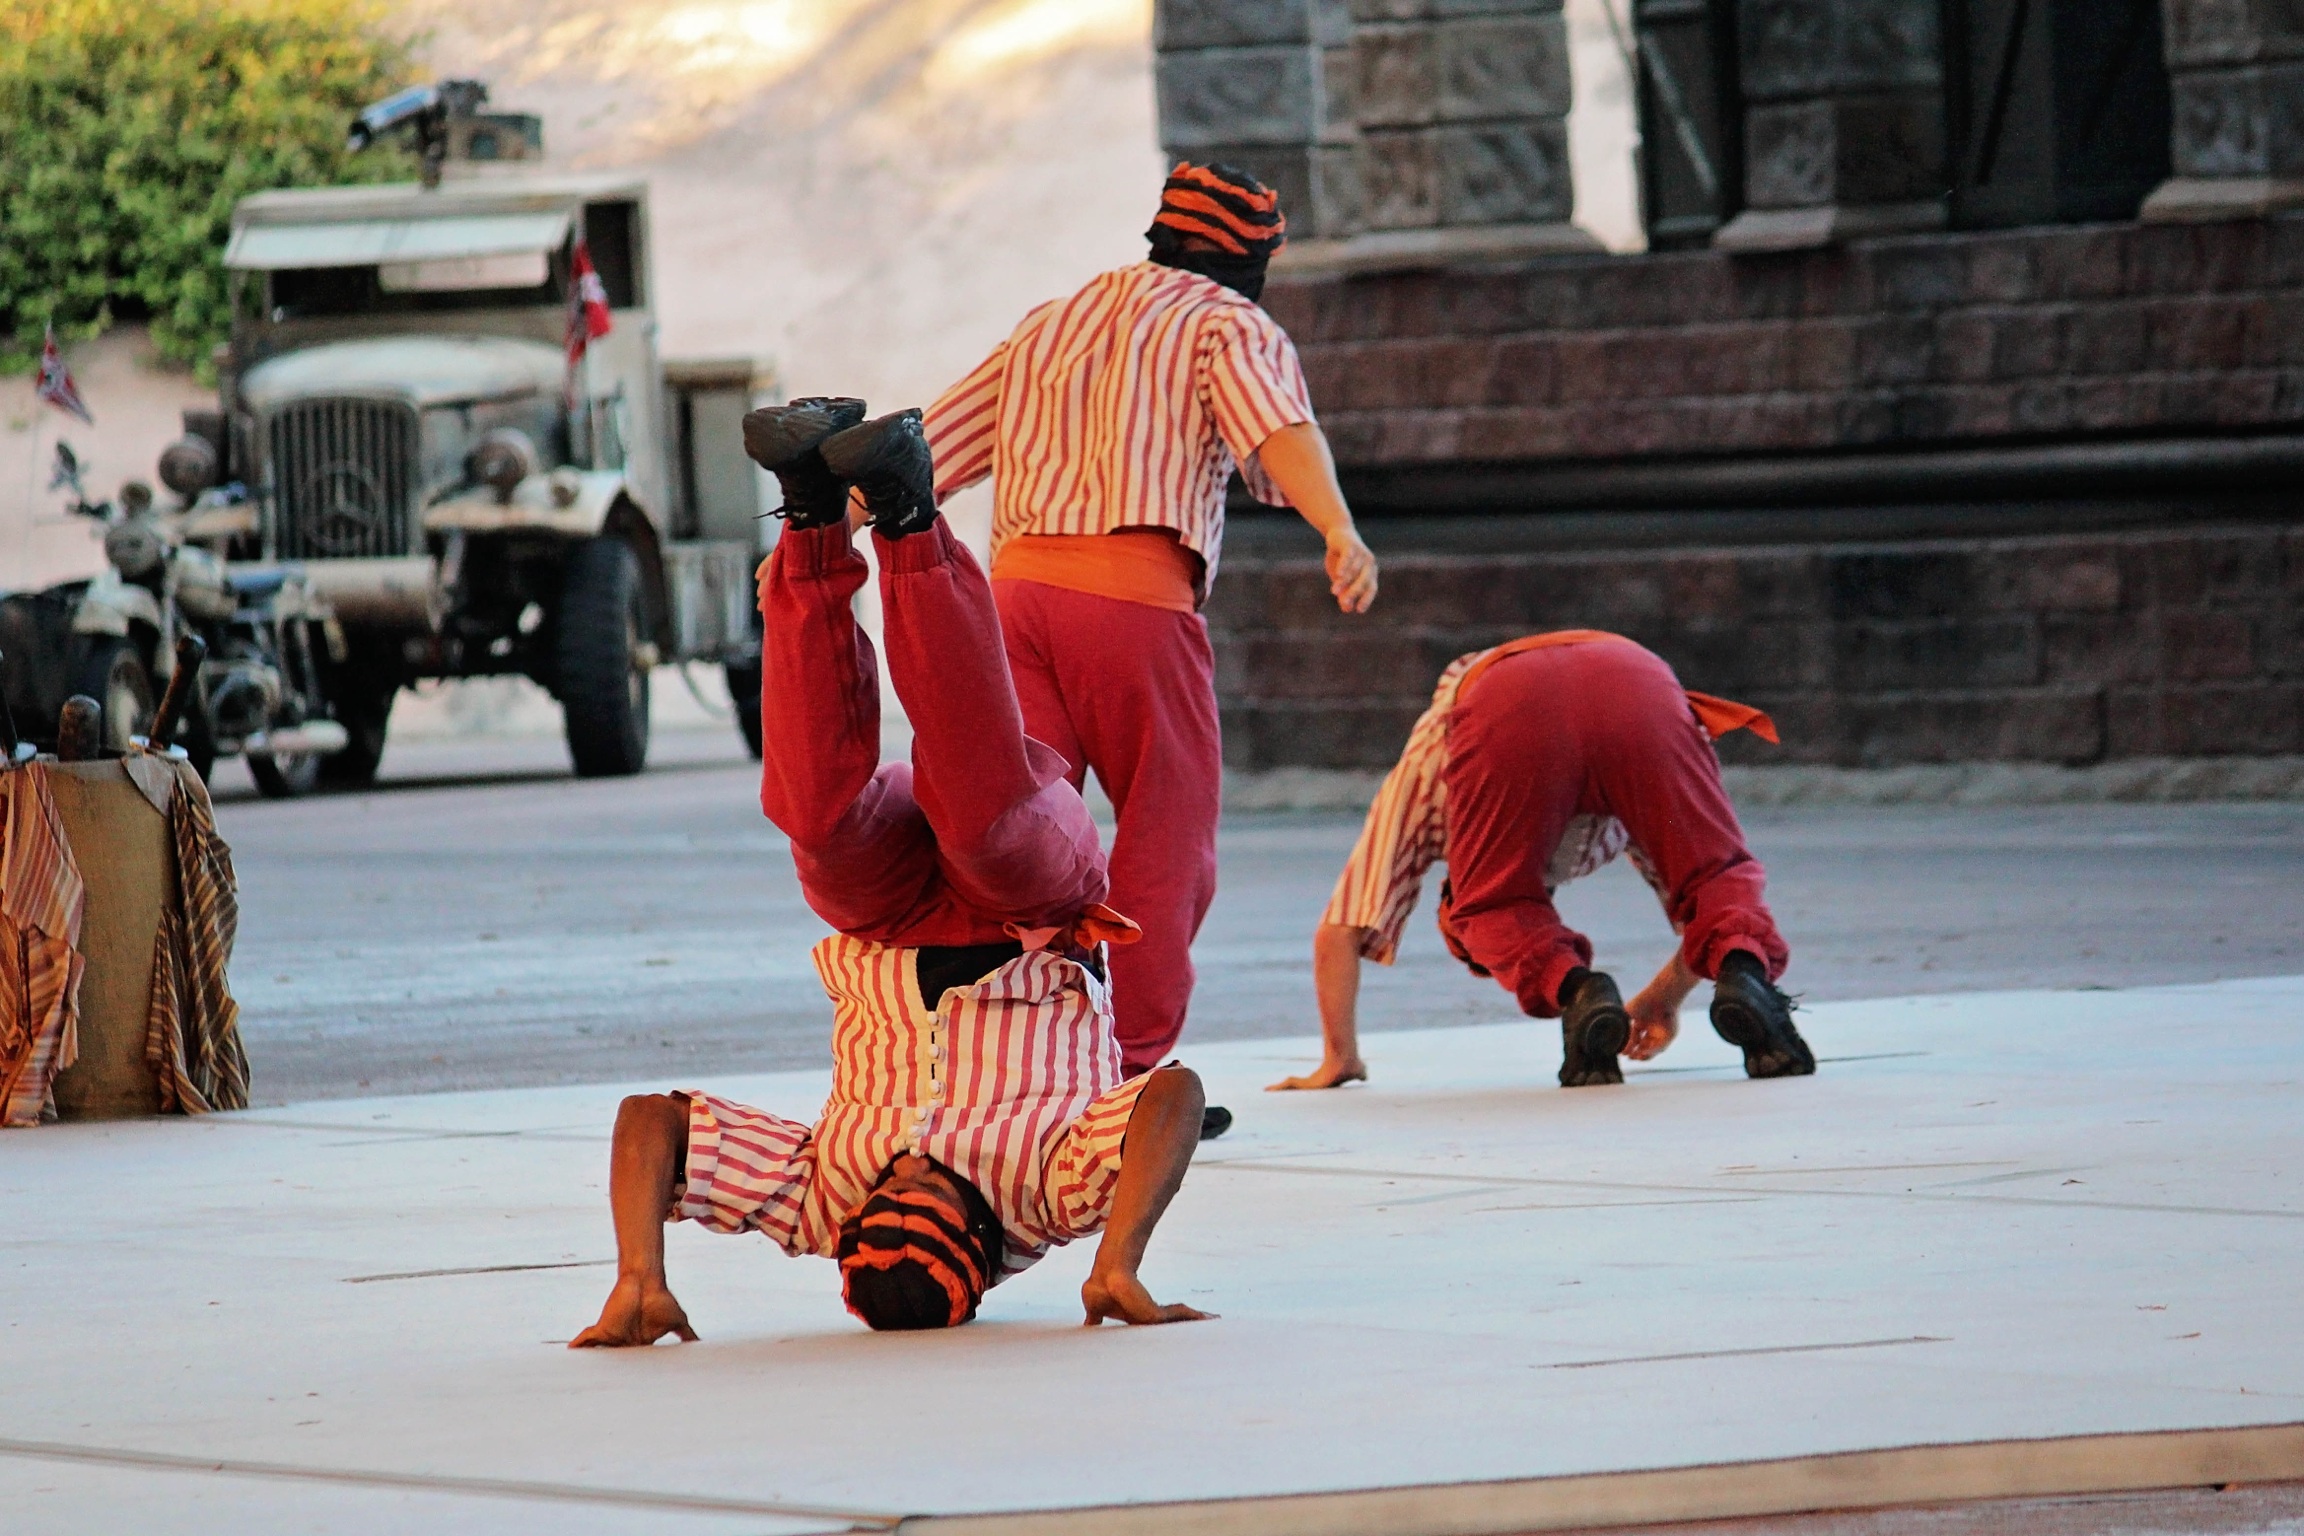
(921, 1250)
(1219, 222)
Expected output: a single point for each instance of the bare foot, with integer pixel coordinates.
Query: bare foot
(635, 1314)
(1122, 1298)
(1329, 1074)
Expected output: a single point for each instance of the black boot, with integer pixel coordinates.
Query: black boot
(889, 462)
(787, 441)
(1215, 1120)
(1750, 1014)
(1594, 1029)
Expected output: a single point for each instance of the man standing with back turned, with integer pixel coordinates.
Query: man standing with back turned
(1110, 423)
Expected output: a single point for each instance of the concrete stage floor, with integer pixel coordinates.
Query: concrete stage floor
(1455, 1300)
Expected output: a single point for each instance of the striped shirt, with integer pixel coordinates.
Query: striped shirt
(1126, 405)
(1013, 1083)
(1406, 833)
(41, 901)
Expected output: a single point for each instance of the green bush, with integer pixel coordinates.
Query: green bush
(129, 128)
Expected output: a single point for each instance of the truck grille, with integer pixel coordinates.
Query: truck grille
(342, 474)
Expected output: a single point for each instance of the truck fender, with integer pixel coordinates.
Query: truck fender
(575, 503)
(627, 522)
(111, 605)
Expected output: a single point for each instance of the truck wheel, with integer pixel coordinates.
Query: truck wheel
(744, 695)
(603, 686)
(114, 675)
(285, 775)
(364, 714)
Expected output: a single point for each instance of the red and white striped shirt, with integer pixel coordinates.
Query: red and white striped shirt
(1013, 1083)
(1126, 405)
(1406, 833)
(42, 900)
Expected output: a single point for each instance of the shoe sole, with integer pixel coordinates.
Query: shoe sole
(1755, 1035)
(1606, 1033)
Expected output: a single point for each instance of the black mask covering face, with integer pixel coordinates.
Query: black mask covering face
(1244, 275)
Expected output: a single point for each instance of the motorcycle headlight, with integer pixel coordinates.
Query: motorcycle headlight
(188, 466)
(136, 548)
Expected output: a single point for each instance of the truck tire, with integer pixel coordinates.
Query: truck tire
(744, 696)
(603, 687)
(364, 713)
(285, 775)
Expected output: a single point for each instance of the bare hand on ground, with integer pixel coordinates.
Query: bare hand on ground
(1651, 1033)
(635, 1315)
(1122, 1298)
(1331, 1073)
(1655, 1010)
(1351, 571)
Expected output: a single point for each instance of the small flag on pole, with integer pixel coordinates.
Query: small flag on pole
(588, 318)
(55, 385)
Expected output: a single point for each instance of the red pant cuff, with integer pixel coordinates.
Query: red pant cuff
(916, 552)
(811, 552)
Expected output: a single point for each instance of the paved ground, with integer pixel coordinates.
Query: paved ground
(484, 920)
(1998, 1225)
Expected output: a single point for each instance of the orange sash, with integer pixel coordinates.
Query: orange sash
(1135, 565)
(1717, 716)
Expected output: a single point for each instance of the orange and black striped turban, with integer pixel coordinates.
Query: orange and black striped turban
(912, 1258)
(1227, 209)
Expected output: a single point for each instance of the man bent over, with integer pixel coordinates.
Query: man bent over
(1539, 761)
(978, 1115)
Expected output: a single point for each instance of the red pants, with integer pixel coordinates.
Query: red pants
(1601, 729)
(1129, 690)
(981, 829)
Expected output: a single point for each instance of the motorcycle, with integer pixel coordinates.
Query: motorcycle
(260, 691)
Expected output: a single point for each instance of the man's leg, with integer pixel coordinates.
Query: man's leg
(1655, 771)
(1136, 686)
(1012, 835)
(864, 851)
(1658, 773)
(1516, 777)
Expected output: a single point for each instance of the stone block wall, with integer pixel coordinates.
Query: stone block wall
(1264, 85)
(1462, 109)
(2065, 649)
(2237, 76)
(1924, 341)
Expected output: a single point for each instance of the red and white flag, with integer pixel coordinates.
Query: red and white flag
(588, 318)
(54, 383)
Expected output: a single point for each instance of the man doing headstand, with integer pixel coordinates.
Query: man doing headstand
(978, 1114)
(1538, 762)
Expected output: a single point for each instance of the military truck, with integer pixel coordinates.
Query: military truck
(469, 491)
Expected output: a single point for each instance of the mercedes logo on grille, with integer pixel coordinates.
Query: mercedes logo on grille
(344, 509)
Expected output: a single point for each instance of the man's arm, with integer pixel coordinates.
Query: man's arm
(1163, 1133)
(1336, 949)
(1298, 461)
(651, 1149)
(1656, 1010)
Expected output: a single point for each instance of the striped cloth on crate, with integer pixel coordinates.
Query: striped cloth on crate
(192, 1032)
(1013, 1083)
(41, 901)
(1126, 405)
(1406, 833)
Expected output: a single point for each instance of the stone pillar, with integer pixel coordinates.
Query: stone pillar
(1257, 84)
(2236, 76)
(1462, 107)
(1843, 121)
